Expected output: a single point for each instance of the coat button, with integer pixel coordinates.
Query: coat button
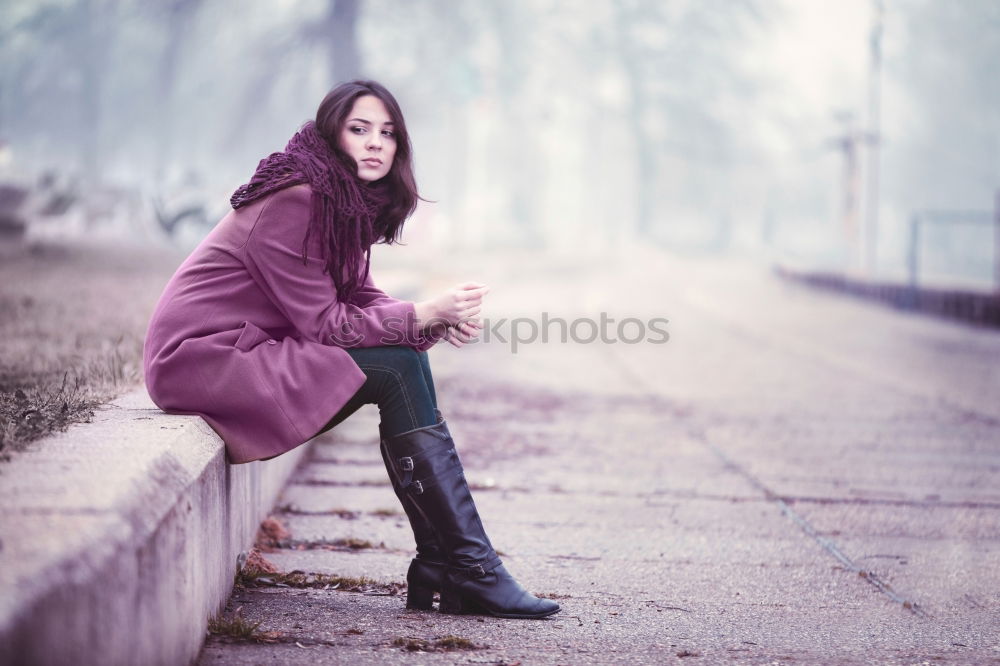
(272, 342)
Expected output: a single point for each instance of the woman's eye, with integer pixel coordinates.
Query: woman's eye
(388, 133)
(358, 129)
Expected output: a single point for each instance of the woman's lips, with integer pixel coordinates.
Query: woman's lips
(372, 161)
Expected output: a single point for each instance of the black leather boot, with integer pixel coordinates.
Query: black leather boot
(426, 571)
(431, 476)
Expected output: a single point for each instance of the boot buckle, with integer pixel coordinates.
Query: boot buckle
(406, 465)
(469, 573)
(418, 488)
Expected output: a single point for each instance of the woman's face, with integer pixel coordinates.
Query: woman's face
(369, 138)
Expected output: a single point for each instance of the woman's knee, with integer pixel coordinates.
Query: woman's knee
(425, 366)
(400, 384)
(404, 360)
(392, 365)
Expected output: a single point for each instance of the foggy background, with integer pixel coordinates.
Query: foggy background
(805, 130)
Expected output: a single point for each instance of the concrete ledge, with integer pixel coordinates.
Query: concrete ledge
(119, 538)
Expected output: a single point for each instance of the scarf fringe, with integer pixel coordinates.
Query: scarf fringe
(345, 211)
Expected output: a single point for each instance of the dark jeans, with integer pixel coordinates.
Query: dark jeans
(398, 381)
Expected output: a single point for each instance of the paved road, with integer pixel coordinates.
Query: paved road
(794, 477)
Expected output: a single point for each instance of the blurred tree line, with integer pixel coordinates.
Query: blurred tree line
(534, 121)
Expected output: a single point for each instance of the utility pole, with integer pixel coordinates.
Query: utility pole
(849, 144)
(870, 236)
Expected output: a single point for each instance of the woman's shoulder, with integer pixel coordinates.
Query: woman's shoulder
(283, 217)
(293, 197)
(287, 207)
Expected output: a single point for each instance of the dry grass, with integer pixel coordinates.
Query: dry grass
(447, 643)
(72, 321)
(237, 628)
(257, 571)
(319, 581)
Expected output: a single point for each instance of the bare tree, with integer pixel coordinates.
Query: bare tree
(341, 29)
(680, 83)
(180, 15)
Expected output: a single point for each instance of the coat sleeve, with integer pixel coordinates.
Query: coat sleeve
(306, 296)
(368, 295)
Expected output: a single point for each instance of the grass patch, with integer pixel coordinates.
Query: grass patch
(295, 509)
(364, 483)
(238, 628)
(235, 627)
(444, 644)
(456, 643)
(320, 581)
(353, 544)
(349, 543)
(30, 412)
(72, 323)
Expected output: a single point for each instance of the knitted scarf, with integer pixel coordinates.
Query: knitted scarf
(346, 211)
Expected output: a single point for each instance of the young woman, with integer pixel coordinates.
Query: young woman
(273, 332)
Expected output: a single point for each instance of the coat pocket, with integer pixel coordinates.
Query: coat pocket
(251, 336)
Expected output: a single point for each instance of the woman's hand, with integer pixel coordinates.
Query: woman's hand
(461, 303)
(464, 332)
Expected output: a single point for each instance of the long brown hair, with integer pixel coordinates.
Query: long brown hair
(400, 184)
(348, 215)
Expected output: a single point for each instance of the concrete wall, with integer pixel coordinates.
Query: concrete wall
(119, 538)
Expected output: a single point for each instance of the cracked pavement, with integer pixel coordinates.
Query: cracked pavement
(796, 476)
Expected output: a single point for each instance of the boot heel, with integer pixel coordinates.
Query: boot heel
(419, 597)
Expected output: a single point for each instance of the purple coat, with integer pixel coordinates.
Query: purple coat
(251, 340)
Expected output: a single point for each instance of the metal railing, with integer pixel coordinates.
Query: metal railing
(955, 245)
